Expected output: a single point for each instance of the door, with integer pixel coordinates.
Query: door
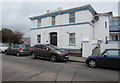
(53, 38)
(12, 50)
(41, 50)
(109, 59)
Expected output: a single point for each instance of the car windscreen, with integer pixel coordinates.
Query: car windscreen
(112, 52)
(53, 47)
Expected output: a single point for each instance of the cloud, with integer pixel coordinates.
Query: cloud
(16, 15)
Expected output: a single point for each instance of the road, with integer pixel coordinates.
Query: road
(26, 69)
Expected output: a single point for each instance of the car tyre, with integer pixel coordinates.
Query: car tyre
(6, 53)
(53, 58)
(18, 54)
(92, 63)
(33, 56)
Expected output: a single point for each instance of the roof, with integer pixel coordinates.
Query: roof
(105, 14)
(85, 7)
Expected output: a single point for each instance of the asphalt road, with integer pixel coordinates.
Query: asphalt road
(27, 69)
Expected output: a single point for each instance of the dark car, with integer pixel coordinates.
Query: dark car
(48, 51)
(110, 58)
(18, 49)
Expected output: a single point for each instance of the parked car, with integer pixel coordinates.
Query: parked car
(48, 51)
(18, 49)
(3, 47)
(109, 58)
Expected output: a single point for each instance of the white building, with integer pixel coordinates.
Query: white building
(67, 28)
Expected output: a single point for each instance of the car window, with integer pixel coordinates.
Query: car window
(112, 52)
(2, 45)
(22, 46)
(41, 46)
(53, 47)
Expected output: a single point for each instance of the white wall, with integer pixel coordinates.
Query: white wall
(33, 23)
(81, 31)
(108, 46)
(80, 16)
(83, 16)
(88, 47)
(100, 31)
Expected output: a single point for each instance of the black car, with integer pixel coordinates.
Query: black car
(110, 58)
(18, 49)
(49, 51)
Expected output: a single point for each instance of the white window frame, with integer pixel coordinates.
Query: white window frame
(53, 20)
(39, 23)
(72, 17)
(72, 39)
(39, 38)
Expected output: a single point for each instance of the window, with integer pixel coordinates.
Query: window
(53, 20)
(39, 23)
(38, 38)
(72, 38)
(72, 17)
(115, 37)
(105, 24)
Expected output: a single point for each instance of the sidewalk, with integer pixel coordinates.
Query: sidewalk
(77, 59)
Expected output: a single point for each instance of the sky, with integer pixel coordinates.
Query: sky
(15, 15)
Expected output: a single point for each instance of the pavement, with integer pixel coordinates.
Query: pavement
(77, 59)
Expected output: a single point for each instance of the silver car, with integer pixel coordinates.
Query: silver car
(18, 49)
(3, 47)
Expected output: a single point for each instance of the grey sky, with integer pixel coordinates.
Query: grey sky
(16, 15)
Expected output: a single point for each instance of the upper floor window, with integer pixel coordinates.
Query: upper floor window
(39, 23)
(38, 38)
(72, 38)
(105, 24)
(72, 17)
(53, 20)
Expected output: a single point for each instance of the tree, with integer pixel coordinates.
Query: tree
(9, 36)
(17, 37)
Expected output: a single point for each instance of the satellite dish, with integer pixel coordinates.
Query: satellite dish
(96, 18)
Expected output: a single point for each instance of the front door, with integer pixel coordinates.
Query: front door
(53, 38)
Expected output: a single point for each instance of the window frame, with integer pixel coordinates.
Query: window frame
(72, 39)
(53, 20)
(39, 23)
(72, 17)
(39, 38)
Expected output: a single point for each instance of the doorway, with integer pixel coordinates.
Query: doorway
(53, 38)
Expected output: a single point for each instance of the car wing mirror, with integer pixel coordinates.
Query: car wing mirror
(48, 49)
(105, 55)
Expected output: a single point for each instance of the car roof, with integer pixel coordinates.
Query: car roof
(112, 49)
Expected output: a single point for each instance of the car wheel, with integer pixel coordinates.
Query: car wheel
(6, 53)
(33, 56)
(92, 63)
(18, 54)
(53, 58)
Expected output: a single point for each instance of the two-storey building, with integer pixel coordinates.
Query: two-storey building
(68, 28)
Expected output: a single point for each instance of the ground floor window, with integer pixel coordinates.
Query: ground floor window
(38, 38)
(115, 37)
(71, 38)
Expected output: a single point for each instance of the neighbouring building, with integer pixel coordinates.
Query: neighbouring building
(115, 29)
(67, 29)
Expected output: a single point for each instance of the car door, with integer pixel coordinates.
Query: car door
(11, 50)
(43, 51)
(109, 58)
